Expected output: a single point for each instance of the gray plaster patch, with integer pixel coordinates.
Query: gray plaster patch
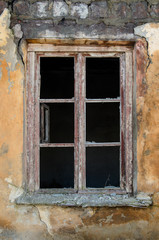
(7, 234)
(94, 31)
(146, 30)
(140, 31)
(11, 83)
(17, 31)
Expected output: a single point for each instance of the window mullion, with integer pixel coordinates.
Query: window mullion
(122, 122)
(30, 140)
(76, 124)
(128, 141)
(37, 121)
(81, 118)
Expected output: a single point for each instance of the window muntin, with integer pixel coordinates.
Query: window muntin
(81, 146)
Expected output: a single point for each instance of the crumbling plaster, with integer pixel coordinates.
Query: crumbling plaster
(65, 223)
(147, 109)
(12, 217)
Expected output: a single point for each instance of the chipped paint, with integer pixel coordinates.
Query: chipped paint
(3, 149)
(15, 192)
(61, 223)
(147, 110)
(45, 217)
(150, 32)
(17, 31)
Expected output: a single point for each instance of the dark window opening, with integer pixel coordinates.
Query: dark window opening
(61, 122)
(103, 78)
(102, 167)
(56, 167)
(103, 122)
(61, 96)
(57, 77)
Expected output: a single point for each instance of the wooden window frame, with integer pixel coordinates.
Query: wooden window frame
(35, 51)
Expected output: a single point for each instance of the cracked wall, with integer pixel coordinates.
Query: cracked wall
(12, 217)
(37, 19)
(147, 109)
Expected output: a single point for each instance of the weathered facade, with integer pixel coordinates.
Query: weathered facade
(83, 23)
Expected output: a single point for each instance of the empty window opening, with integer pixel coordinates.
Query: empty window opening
(56, 167)
(103, 122)
(57, 77)
(80, 103)
(102, 167)
(103, 77)
(61, 122)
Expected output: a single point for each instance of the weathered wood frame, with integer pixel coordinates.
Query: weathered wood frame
(35, 51)
(45, 123)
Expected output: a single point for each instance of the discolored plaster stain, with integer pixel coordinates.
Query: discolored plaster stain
(107, 220)
(15, 192)
(150, 122)
(141, 65)
(118, 216)
(51, 222)
(148, 112)
(44, 216)
(4, 149)
(150, 32)
(5, 224)
(147, 152)
(11, 83)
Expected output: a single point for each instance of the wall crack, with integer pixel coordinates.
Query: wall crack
(148, 54)
(43, 222)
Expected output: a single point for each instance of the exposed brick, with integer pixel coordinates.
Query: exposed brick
(3, 5)
(79, 10)
(60, 9)
(121, 10)
(21, 7)
(155, 10)
(139, 10)
(98, 9)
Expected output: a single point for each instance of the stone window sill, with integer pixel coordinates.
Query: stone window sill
(85, 200)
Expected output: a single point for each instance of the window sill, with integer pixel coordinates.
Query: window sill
(85, 200)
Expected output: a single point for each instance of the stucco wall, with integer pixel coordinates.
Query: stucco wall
(147, 110)
(54, 222)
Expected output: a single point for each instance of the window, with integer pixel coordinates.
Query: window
(79, 119)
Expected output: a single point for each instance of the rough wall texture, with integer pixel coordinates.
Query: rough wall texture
(77, 19)
(147, 109)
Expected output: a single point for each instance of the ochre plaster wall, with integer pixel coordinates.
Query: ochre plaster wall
(148, 111)
(53, 222)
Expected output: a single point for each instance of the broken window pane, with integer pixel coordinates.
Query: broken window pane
(103, 122)
(102, 78)
(102, 167)
(61, 122)
(57, 77)
(56, 167)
